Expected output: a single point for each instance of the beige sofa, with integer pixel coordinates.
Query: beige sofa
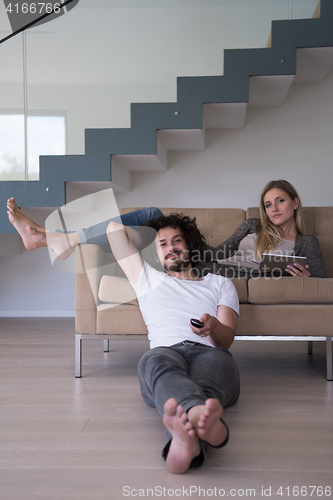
(286, 308)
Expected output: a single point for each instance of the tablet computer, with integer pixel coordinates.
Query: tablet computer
(277, 262)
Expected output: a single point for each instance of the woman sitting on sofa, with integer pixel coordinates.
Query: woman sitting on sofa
(280, 229)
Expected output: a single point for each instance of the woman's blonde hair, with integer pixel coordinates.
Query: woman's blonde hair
(270, 235)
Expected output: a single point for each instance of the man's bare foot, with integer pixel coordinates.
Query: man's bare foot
(185, 443)
(15, 216)
(62, 244)
(206, 421)
(35, 236)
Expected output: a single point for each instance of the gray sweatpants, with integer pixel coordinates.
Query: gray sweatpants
(191, 373)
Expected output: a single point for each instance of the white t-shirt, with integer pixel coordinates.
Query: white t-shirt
(167, 304)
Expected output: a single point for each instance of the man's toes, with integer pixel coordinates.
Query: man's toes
(170, 406)
(183, 417)
(213, 404)
(188, 426)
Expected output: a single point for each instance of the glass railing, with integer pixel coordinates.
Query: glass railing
(85, 68)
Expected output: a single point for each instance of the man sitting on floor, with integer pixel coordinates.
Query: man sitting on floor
(188, 374)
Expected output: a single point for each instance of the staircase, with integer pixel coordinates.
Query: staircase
(298, 52)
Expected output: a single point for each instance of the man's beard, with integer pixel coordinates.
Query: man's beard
(178, 265)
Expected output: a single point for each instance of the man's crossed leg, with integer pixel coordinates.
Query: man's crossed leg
(189, 385)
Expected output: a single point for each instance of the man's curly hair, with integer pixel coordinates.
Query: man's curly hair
(194, 240)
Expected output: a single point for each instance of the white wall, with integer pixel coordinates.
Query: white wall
(30, 287)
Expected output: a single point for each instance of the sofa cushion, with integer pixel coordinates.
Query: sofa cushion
(120, 319)
(289, 290)
(252, 213)
(114, 290)
(285, 320)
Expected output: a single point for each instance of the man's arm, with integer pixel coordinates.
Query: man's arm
(122, 240)
(221, 329)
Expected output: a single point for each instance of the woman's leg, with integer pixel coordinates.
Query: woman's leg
(64, 242)
(97, 234)
(35, 236)
(21, 222)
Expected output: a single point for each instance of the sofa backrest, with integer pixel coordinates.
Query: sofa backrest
(217, 224)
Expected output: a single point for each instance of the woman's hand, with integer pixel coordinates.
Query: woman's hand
(298, 270)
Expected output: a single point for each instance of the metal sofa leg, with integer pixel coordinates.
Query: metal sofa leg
(78, 356)
(310, 346)
(329, 358)
(106, 345)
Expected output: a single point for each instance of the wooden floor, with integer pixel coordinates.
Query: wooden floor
(94, 438)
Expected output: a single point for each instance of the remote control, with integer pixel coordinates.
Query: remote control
(196, 323)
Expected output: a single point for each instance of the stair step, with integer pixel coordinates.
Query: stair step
(269, 91)
(224, 115)
(313, 63)
(183, 140)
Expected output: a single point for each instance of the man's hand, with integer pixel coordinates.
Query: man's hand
(209, 322)
(220, 330)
